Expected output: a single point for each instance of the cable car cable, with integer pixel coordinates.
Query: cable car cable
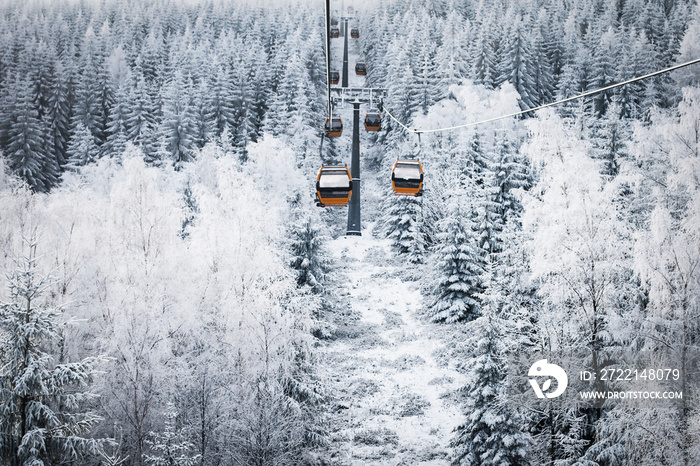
(568, 99)
(328, 58)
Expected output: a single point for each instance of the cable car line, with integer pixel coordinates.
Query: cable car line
(551, 104)
(328, 59)
(337, 185)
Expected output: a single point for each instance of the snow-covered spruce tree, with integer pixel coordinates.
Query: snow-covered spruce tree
(417, 243)
(425, 74)
(475, 165)
(309, 258)
(220, 99)
(635, 58)
(516, 63)
(171, 447)
(141, 120)
(610, 134)
(460, 262)
(117, 129)
(299, 119)
(189, 211)
(43, 418)
(450, 57)
(509, 279)
(509, 174)
(300, 379)
(105, 100)
(542, 68)
(177, 129)
(26, 140)
(399, 82)
(403, 227)
(82, 148)
(478, 181)
(278, 107)
(603, 64)
(58, 114)
(492, 433)
(484, 60)
(489, 223)
(245, 116)
(86, 108)
(40, 60)
(203, 116)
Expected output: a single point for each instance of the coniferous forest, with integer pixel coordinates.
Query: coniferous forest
(172, 295)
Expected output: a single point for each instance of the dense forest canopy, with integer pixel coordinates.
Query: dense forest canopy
(156, 225)
(78, 81)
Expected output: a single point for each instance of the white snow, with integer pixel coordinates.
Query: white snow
(392, 396)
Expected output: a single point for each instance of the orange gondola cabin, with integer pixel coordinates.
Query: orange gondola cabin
(335, 32)
(355, 33)
(333, 127)
(333, 186)
(334, 77)
(373, 121)
(360, 68)
(334, 21)
(407, 178)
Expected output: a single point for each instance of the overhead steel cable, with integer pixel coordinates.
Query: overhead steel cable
(328, 59)
(551, 104)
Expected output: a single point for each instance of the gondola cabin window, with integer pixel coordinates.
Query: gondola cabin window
(406, 171)
(334, 179)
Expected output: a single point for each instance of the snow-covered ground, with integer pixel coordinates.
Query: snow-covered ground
(393, 401)
(393, 398)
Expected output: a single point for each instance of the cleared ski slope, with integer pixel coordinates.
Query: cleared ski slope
(393, 400)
